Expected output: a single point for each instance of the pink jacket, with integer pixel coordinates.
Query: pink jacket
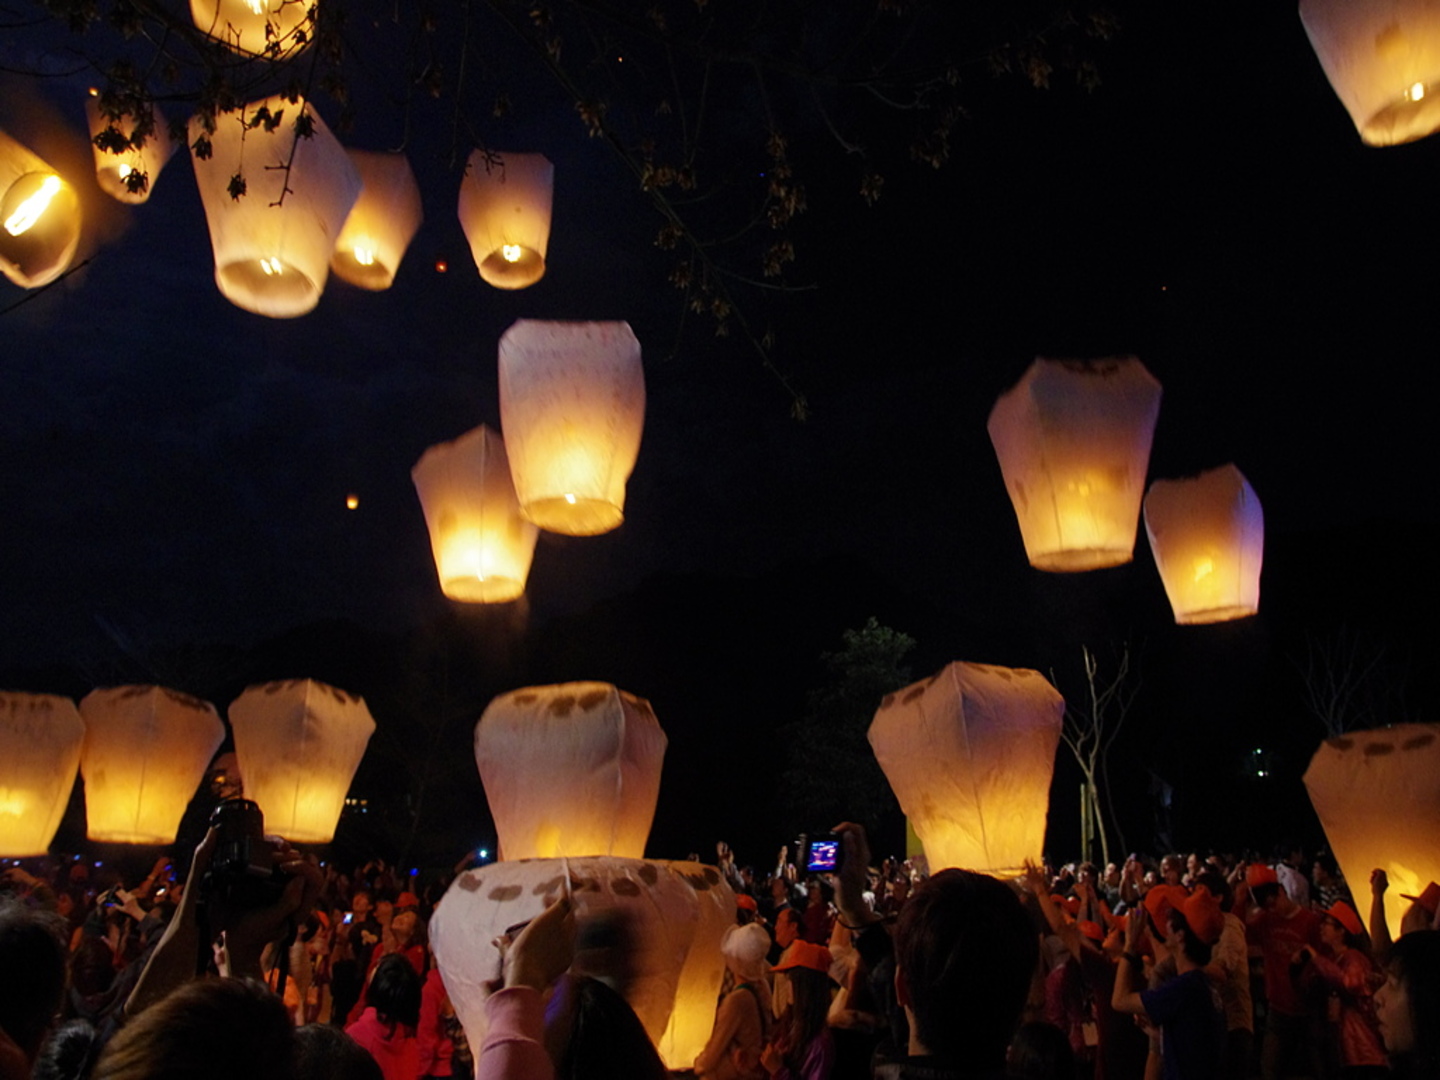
(514, 1046)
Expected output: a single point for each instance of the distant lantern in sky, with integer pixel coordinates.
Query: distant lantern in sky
(1377, 795)
(146, 751)
(128, 175)
(969, 754)
(272, 257)
(1383, 59)
(299, 743)
(595, 752)
(40, 739)
(505, 212)
(1073, 439)
(272, 28)
(382, 222)
(39, 217)
(482, 545)
(572, 407)
(1207, 533)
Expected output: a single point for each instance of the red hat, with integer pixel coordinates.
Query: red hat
(804, 954)
(1092, 930)
(1429, 899)
(1161, 898)
(407, 899)
(1260, 874)
(746, 902)
(1345, 915)
(1069, 904)
(1202, 912)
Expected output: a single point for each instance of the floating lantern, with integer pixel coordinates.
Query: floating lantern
(1208, 536)
(382, 222)
(40, 738)
(969, 753)
(146, 751)
(39, 217)
(115, 171)
(596, 753)
(505, 212)
(299, 743)
(1383, 59)
(1073, 439)
(1377, 795)
(271, 28)
(272, 256)
(482, 546)
(572, 407)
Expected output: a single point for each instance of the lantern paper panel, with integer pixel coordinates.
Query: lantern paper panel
(40, 740)
(39, 217)
(969, 753)
(299, 743)
(1207, 533)
(272, 257)
(665, 918)
(1073, 439)
(146, 751)
(483, 547)
(382, 222)
(1377, 795)
(271, 28)
(114, 169)
(505, 211)
(571, 769)
(572, 408)
(1382, 58)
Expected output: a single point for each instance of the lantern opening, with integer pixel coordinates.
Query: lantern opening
(574, 516)
(512, 266)
(479, 589)
(1413, 115)
(271, 286)
(363, 267)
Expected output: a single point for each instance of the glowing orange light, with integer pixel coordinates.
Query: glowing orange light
(352, 502)
(441, 266)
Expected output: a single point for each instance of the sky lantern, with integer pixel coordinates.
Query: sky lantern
(1207, 533)
(40, 738)
(1377, 795)
(272, 256)
(505, 212)
(1073, 439)
(572, 407)
(299, 743)
(382, 222)
(482, 546)
(1382, 58)
(272, 28)
(146, 751)
(39, 217)
(969, 753)
(114, 170)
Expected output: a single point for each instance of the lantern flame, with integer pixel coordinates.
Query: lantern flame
(570, 497)
(1417, 92)
(13, 805)
(1204, 568)
(123, 170)
(270, 266)
(257, 7)
(31, 210)
(365, 256)
(511, 252)
(352, 502)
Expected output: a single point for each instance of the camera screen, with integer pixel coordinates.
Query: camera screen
(824, 854)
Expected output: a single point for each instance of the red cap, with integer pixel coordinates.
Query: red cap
(746, 901)
(1092, 930)
(1345, 915)
(1202, 911)
(1161, 898)
(1070, 904)
(1260, 874)
(1429, 899)
(407, 899)
(804, 954)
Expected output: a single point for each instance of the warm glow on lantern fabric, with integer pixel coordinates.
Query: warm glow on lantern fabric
(40, 740)
(1073, 439)
(111, 169)
(253, 26)
(1383, 59)
(382, 222)
(505, 203)
(969, 753)
(39, 217)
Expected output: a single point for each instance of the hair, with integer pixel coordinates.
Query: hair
(607, 1040)
(965, 951)
(323, 1052)
(1040, 1051)
(68, 1054)
(1216, 885)
(1414, 961)
(1262, 894)
(33, 957)
(1197, 951)
(1327, 862)
(806, 1016)
(394, 991)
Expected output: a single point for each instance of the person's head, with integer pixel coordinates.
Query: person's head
(813, 896)
(807, 969)
(1341, 928)
(1269, 896)
(68, 1054)
(33, 955)
(394, 991)
(787, 927)
(1040, 1051)
(1408, 1005)
(405, 926)
(1325, 871)
(1171, 869)
(964, 954)
(1180, 938)
(745, 949)
(779, 890)
(606, 1039)
(323, 1052)
(1214, 882)
(360, 904)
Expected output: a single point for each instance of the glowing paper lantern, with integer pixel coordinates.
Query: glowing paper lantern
(40, 737)
(1383, 59)
(272, 28)
(666, 919)
(299, 743)
(572, 407)
(505, 212)
(969, 753)
(1073, 439)
(595, 753)
(382, 222)
(39, 217)
(1377, 795)
(272, 256)
(146, 751)
(113, 170)
(482, 546)
(1208, 536)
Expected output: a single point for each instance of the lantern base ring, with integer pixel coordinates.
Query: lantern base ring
(574, 516)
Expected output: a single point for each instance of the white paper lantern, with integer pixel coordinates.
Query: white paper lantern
(1073, 439)
(382, 222)
(572, 408)
(505, 212)
(146, 751)
(299, 743)
(113, 170)
(969, 753)
(272, 257)
(1207, 533)
(40, 738)
(39, 217)
(482, 545)
(571, 769)
(1383, 59)
(270, 28)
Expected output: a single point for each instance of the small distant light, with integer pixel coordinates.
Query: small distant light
(1417, 91)
(1262, 772)
(441, 266)
(570, 498)
(484, 853)
(94, 92)
(352, 502)
(1164, 288)
(511, 252)
(619, 59)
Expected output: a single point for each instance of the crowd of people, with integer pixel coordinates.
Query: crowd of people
(1181, 968)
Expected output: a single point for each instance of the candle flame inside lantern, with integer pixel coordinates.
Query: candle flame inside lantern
(511, 252)
(1417, 92)
(270, 266)
(365, 256)
(31, 209)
